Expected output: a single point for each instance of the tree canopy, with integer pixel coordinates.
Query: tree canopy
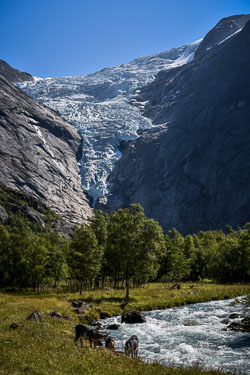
(123, 246)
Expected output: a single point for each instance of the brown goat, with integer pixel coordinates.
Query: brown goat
(110, 343)
(89, 333)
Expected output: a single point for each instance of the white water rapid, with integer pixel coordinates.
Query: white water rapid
(189, 336)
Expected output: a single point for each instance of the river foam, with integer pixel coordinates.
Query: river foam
(190, 336)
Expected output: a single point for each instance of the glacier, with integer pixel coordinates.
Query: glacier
(99, 106)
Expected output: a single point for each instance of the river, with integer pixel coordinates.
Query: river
(190, 335)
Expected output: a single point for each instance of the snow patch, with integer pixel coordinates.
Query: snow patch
(230, 36)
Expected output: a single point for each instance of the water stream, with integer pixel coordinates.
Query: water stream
(190, 336)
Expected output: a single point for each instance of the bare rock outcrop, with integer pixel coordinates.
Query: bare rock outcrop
(13, 75)
(39, 153)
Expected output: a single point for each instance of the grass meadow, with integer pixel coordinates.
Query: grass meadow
(47, 346)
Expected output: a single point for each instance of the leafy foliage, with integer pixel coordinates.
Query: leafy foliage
(135, 244)
(85, 256)
(121, 247)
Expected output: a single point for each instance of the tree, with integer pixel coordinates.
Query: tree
(4, 252)
(24, 256)
(177, 265)
(135, 243)
(232, 261)
(56, 265)
(85, 256)
(99, 224)
(188, 246)
(152, 251)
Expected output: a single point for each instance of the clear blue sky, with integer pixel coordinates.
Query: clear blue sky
(76, 37)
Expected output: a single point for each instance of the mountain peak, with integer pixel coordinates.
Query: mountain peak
(225, 28)
(13, 75)
(192, 174)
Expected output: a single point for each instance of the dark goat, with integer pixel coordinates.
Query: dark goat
(88, 333)
(131, 346)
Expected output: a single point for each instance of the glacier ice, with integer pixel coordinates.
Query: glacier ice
(98, 105)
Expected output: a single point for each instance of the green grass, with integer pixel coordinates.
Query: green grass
(47, 347)
(159, 296)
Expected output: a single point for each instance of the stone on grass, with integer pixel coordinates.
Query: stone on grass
(34, 316)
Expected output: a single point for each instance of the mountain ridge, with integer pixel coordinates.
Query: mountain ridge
(13, 75)
(131, 135)
(194, 173)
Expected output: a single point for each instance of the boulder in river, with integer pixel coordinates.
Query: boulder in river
(190, 322)
(234, 316)
(225, 321)
(133, 316)
(243, 325)
(113, 327)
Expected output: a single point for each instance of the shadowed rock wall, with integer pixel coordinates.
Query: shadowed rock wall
(195, 173)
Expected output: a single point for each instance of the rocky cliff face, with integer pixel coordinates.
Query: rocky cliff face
(192, 172)
(38, 154)
(98, 105)
(13, 75)
(223, 30)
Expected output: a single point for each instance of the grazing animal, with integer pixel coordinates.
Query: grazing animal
(81, 332)
(110, 343)
(94, 336)
(88, 333)
(131, 346)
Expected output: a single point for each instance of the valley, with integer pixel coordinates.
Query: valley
(167, 130)
(124, 193)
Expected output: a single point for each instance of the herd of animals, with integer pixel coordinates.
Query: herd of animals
(84, 332)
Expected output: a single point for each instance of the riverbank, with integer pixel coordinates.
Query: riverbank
(47, 346)
(192, 334)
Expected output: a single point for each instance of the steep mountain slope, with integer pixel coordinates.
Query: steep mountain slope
(194, 173)
(15, 204)
(13, 75)
(38, 154)
(98, 106)
(160, 100)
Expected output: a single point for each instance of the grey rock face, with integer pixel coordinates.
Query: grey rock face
(15, 202)
(38, 153)
(63, 228)
(194, 173)
(224, 29)
(3, 214)
(13, 75)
